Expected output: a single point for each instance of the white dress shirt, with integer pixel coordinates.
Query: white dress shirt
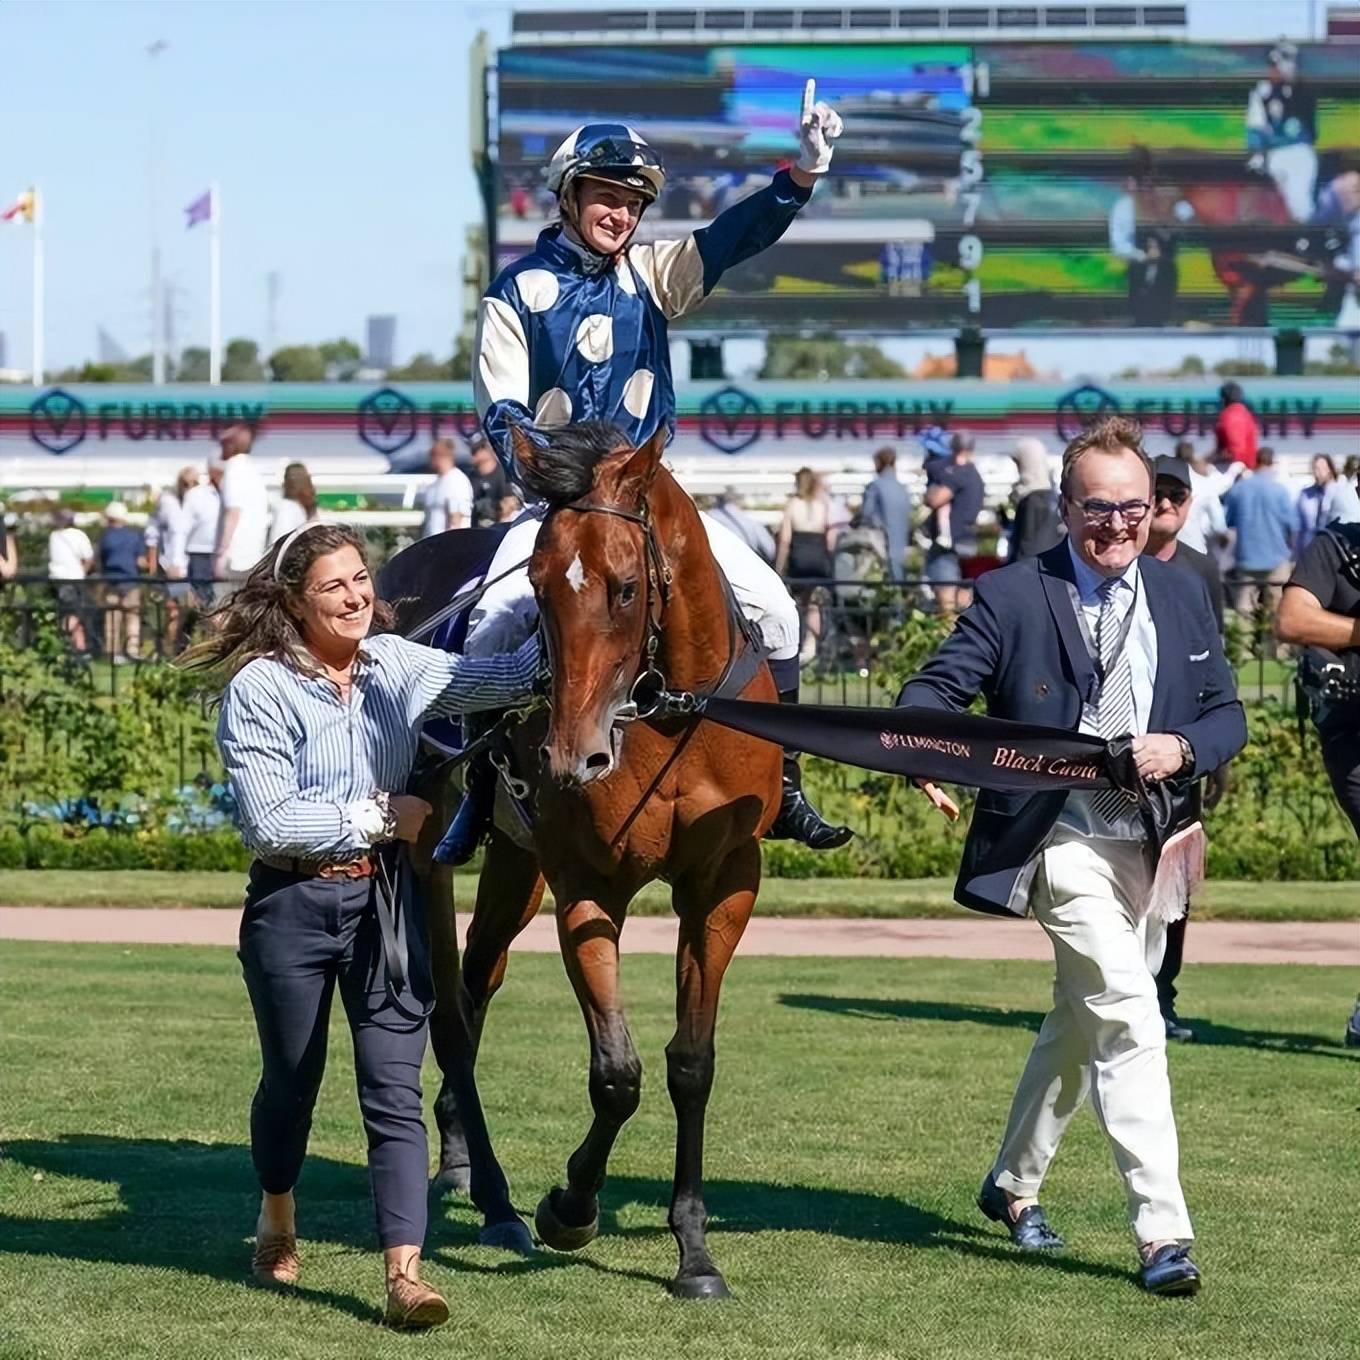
(1078, 812)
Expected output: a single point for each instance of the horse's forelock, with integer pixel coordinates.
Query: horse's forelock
(564, 461)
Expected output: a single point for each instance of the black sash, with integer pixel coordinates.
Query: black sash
(928, 743)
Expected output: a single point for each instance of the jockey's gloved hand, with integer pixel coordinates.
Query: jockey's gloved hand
(818, 127)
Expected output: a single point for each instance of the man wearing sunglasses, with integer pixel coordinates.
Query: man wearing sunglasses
(1094, 636)
(1172, 501)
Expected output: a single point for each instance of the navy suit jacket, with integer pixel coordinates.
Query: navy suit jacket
(1020, 646)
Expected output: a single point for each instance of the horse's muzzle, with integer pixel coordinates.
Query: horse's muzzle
(573, 764)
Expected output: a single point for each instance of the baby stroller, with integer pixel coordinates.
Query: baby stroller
(859, 568)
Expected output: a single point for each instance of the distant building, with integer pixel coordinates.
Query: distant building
(380, 345)
(107, 349)
(995, 367)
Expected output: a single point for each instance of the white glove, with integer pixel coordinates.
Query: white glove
(818, 127)
(1257, 163)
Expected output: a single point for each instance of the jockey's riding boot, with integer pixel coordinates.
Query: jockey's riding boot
(472, 821)
(798, 820)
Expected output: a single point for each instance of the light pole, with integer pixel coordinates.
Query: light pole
(153, 50)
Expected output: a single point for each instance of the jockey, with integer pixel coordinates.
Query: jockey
(577, 330)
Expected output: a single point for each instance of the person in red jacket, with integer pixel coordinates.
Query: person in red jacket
(1235, 429)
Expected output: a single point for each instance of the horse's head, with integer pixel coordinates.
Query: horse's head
(596, 584)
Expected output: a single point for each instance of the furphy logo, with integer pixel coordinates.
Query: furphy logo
(387, 420)
(1080, 408)
(57, 421)
(1178, 417)
(730, 420)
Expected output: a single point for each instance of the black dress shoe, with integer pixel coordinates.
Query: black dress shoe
(1029, 1229)
(1352, 1037)
(1176, 1032)
(1169, 1270)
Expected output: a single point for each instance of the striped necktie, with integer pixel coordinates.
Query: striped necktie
(1114, 709)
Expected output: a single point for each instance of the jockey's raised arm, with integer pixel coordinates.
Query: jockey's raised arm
(577, 328)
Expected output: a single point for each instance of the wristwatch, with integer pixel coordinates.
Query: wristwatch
(1187, 754)
(389, 816)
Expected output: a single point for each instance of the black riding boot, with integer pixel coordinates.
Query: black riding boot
(798, 820)
(472, 822)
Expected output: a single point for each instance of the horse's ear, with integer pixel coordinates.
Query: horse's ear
(640, 466)
(523, 447)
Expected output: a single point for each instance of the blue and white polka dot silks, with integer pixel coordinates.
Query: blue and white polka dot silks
(564, 335)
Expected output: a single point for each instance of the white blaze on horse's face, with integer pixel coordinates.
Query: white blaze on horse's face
(576, 575)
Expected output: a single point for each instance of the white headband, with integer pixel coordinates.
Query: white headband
(288, 543)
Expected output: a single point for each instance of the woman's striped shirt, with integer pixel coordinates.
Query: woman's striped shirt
(300, 759)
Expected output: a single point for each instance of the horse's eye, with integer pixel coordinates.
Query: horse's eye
(628, 592)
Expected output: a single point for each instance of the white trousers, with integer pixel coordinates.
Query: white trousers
(1104, 1036)
(507, 614)
(1294, 170)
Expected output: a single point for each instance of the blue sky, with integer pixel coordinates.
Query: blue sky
(339, 134)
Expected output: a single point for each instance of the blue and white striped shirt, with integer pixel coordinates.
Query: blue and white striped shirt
(300, 760)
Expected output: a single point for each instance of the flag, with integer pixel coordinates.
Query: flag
(200, 210)
(23, 209)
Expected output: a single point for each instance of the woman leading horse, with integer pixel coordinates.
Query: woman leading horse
(578, 330)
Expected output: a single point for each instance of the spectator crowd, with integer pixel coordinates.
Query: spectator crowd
(216, 521)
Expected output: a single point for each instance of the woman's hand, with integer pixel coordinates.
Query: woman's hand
(411, 813)
(939, 798)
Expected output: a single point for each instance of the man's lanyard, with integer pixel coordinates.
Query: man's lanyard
(1125, 627)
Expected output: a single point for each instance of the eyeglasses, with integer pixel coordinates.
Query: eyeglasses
(1102, 512)
(1177, 495)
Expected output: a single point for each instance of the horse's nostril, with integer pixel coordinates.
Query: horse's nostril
(597, 761)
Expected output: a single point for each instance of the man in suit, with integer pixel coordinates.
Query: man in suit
(1090, 636)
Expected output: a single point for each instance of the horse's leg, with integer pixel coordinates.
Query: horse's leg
(508, 895)
(436, 881)
(568, 1218)
(713, 914)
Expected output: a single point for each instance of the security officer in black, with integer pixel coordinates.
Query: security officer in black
(1320, 611)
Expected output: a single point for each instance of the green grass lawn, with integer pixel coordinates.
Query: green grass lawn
(838, 897)
(856, 1109)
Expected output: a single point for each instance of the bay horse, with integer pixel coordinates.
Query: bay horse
(627, 588)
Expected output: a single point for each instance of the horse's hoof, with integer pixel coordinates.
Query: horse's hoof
(552, 1232)
(700, 1287)
(451, 1180)
(511, 1235)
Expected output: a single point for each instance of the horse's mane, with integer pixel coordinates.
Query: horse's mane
(565, 458)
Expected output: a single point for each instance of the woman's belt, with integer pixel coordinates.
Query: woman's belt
(320, 868)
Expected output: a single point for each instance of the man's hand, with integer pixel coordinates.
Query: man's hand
(219, 566)
(818, 126)
(1158, 756)
(411, 813)
(939, 798)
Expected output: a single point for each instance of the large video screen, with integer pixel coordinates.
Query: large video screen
(995, 185)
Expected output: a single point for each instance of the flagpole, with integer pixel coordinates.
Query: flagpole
(38, 299)
(215, 287)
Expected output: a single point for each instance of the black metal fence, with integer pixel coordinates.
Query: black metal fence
(850, 627)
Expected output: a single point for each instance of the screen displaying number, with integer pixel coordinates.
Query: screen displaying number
(1037, 184)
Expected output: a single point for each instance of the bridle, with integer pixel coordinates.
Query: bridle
(648, 692)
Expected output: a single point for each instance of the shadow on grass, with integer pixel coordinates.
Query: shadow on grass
(754, 1207)
(1207, 1033)
(183, 1206)
(189, 1207)
(903, 1008)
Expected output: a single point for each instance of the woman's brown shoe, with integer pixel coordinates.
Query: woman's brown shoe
(275, 1261)
(411, 1304)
